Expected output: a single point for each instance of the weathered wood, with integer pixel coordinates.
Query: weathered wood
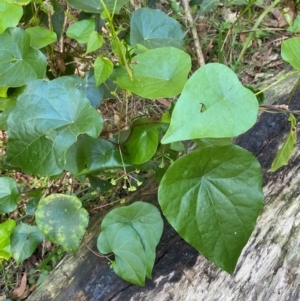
(268, 268)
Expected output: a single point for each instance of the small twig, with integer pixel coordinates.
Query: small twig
(199, 53)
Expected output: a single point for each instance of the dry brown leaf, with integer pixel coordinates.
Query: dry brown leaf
(164, 102)
(18, 292)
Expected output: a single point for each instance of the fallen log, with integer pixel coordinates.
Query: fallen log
(268, 268)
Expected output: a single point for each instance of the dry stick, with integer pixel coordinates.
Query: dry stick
(199, 53)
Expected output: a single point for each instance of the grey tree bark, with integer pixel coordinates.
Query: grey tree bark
(268, 269)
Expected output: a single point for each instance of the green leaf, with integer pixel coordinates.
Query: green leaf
(212, 198)
(213, 104)
(103, 68)
(207, 5)
(290, 52)
(153, 28)
(99, 185)
(95, 42)
(81, 30)
(142, 142)
(56, 113)
(95, 6)
(90, 155)
(41, 37)
(88, 86)
(9, 194)
(205, 142)
(24, 240)
(287, 149)
(20, 64)
(160, 72)
(132, 234)
(296, 25)
(10, 15)
(62, 220)
(6, 229)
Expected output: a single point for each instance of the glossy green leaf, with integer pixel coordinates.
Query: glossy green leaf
(19, 2)
(213, 104)
(95, 42)
(132, 234)
(153, 28)
(90, 155)
(6, 229)
(205, 142)
(62, 220)
(103, 68)
(160, 72)
(9, 194)
(41, 37)
(56, 113)
(88, 86)
(290, 52)
(10, 15)
(287, 149)
(142, 142)
(20, 64)
(95, 6)
(24, 240)
(212, 197)
(81, 30)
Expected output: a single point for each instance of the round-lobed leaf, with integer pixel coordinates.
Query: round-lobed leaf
(160, 72)
(132, 234)
(290, 52)
(9, 194)
(62, 220)
(213, 104)
(212, 197)
(10, 15)
(24, 240)
(41, 37)
(20, 63)
(153, 28)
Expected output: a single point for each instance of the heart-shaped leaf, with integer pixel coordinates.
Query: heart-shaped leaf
(81, 30)
(160, 72)
(212, 198)
(6, 229)
(95, 6)
(24, 240)
(290, 52)
(62, 220)
(20, 63)
(9, 195)
(213, 104)
(95, 42)
(10, 15)
(103, 69)
(153, 28)
(132, 234)
(56, 113)
(41, 37)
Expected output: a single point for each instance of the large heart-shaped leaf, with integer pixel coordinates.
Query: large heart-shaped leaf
(160, 72)
(20, 64)
(9, 195)
(153, 28)
(56, 113)
(24, 240)
(6, 229)
(212, 198)
(132, 234)
(290, 52)
(213, 104)
(10, 15)
(62, 220)
(95, 6)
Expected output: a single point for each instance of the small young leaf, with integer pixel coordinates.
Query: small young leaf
(212, 198)
(132, 234)
(295, 28)
(290, 52)
(159, 72)
(10, 15)
(81, 30)
(62, 220)
(213, 104)
(24, 240)
(287, 149)
(95, 42)
(41, 37)
(103, 68)
(99, 185)
(153, 28)
(9, 195)
(6, 229)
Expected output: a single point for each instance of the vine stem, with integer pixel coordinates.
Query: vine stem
(199, 53)
(257, 23)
